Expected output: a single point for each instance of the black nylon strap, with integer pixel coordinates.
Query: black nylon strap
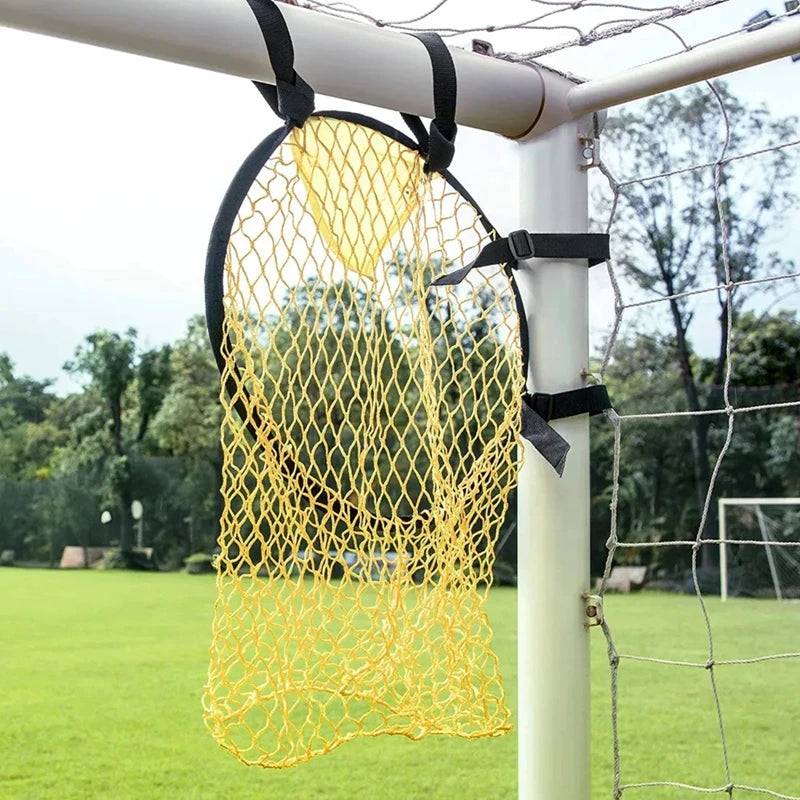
(586, 400)
(438, 144)
(549, 442)
(522, 319)
(539, 408)
(520, 245)
(291, 98)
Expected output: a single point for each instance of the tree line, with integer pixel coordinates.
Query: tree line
(146, 423)
(145, 426)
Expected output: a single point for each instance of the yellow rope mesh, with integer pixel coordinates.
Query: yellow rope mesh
(369, 443)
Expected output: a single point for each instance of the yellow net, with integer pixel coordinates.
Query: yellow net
(369, 442)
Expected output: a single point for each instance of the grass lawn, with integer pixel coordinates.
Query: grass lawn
(101, 675)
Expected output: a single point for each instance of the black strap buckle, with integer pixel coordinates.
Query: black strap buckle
(520, 243)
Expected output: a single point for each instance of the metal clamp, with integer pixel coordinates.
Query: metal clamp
(594, 610)
(589, 151)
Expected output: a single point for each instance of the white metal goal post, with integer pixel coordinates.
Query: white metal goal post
(547, 113)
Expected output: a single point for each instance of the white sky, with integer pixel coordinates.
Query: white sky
(112, 167)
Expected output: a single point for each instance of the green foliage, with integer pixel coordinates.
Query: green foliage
(765, 355)
(146, 424)
(22, 398)
(153, 379)
(344, 343)
(63, 460)
(187, 428)
(107, 359)
(188, 419)
(26, 436)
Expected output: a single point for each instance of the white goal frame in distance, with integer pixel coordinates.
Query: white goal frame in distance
(551, 118)
(752, 502)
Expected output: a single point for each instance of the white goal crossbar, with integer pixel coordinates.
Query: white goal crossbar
(388, 69)
(377, 66)
(755, 503)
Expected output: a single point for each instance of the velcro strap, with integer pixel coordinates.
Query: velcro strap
(438, 145)
(539, 408)
(292, 99)
(441, 149)
(548, 441)
(521, 245)
(295, 101)
(586, 400)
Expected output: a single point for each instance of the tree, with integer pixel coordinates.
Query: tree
(40, 512)
(25, 398)
(765, 353)
(675, 234)
(24, 403)
(764, 456)
(104, 443)
(153, 379)
(108, 360)
(187, 426)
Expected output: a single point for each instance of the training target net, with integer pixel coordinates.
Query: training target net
(369, 443)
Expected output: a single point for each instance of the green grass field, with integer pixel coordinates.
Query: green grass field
(101, 675)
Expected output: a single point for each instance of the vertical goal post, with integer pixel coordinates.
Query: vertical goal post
(751, 502)
(547, 113)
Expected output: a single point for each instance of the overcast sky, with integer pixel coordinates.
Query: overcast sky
(112, 167)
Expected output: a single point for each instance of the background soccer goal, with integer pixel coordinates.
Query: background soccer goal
(759, 547)
(558, 121)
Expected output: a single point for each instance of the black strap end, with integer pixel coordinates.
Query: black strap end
(295, 100)
(548, 442)
(441, 148)
(453, 278)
